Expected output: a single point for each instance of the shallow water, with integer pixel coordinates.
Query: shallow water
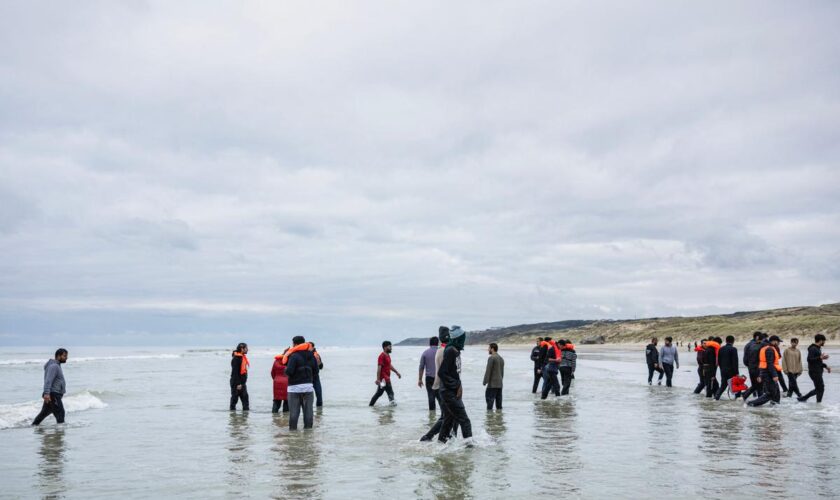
(146, 423)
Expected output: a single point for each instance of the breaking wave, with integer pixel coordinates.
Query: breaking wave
(21, 414)
(87, 359)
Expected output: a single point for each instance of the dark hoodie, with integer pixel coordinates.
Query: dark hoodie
(450, 379)
(815, 362)
(728, 360)
(651, 354)
(302, 368)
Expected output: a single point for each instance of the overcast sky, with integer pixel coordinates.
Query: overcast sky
(201, 173)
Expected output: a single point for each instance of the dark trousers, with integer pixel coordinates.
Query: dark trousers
(724, 383)
(493, 395)
(54, 407)
(755, 385)
(237, 394)
(669, 373)
(382, 390)
(550, 385)
(454, 413)
(702, 383)
(793, 385)
(298, 401)
(819, 386)
(653, 368)
(275, 406)
(430, 381)
(782, 382)
(771, 391)
(316, 384)
(439, 423)
(566, 379)
(537, 377)
(710, 380)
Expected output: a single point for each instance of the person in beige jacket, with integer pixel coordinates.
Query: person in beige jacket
(792, 366)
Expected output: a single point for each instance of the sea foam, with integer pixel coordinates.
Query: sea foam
(91, 358)
(21, 414)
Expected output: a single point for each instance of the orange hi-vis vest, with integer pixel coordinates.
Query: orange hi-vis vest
(714, 345)
(557, 352)
(300, 347)
(762, 359)
(243, 368)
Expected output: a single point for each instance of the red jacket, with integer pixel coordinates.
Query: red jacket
(281, 381)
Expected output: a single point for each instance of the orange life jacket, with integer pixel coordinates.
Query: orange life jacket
(762, 359)
(243, 368)
(300, 347)
(714, 345)
(557, 353)
(569, 346)
(545, 344)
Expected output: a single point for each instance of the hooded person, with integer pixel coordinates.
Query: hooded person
(451, 390)
(443, 337)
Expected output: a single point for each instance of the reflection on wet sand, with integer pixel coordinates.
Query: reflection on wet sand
(450, 474)
(769, 452)
(51, 468)
(556, 441)
(296, 456)
(498, 466)
(239, 456)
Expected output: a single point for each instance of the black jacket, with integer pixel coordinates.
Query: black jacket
(815, 362)
(302, 368)
(728, 360)
(752, 354)
(651, 354)
(747, 348)
(535, 356)
(235, 367)
(448, 374)
(709, 357)
(543, 356)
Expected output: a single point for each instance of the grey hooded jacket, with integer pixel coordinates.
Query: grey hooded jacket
(53, 378)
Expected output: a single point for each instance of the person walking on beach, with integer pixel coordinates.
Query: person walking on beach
(668, 357)
(568, 364)
(493, 375)
(792, 365)
(551, 370)
(280, 385)
(443, 336)
(816, 365)
(699, 352)
(536, 357)
(54, 388)
(451, 391)
(751, 362)
(239, 377)
(728, 363)
(769, 366)
(710, 365)
(316, 382)
(652, 358)
(301, 368)
(428, 368)
(383, 375)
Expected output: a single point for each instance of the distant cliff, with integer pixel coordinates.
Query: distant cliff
(802, 322)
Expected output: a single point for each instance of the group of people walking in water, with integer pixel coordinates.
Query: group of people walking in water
(297, 384)
(766, 367)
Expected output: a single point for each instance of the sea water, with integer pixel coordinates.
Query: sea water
(145, 423)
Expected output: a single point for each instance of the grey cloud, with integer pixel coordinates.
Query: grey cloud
(499, 164)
